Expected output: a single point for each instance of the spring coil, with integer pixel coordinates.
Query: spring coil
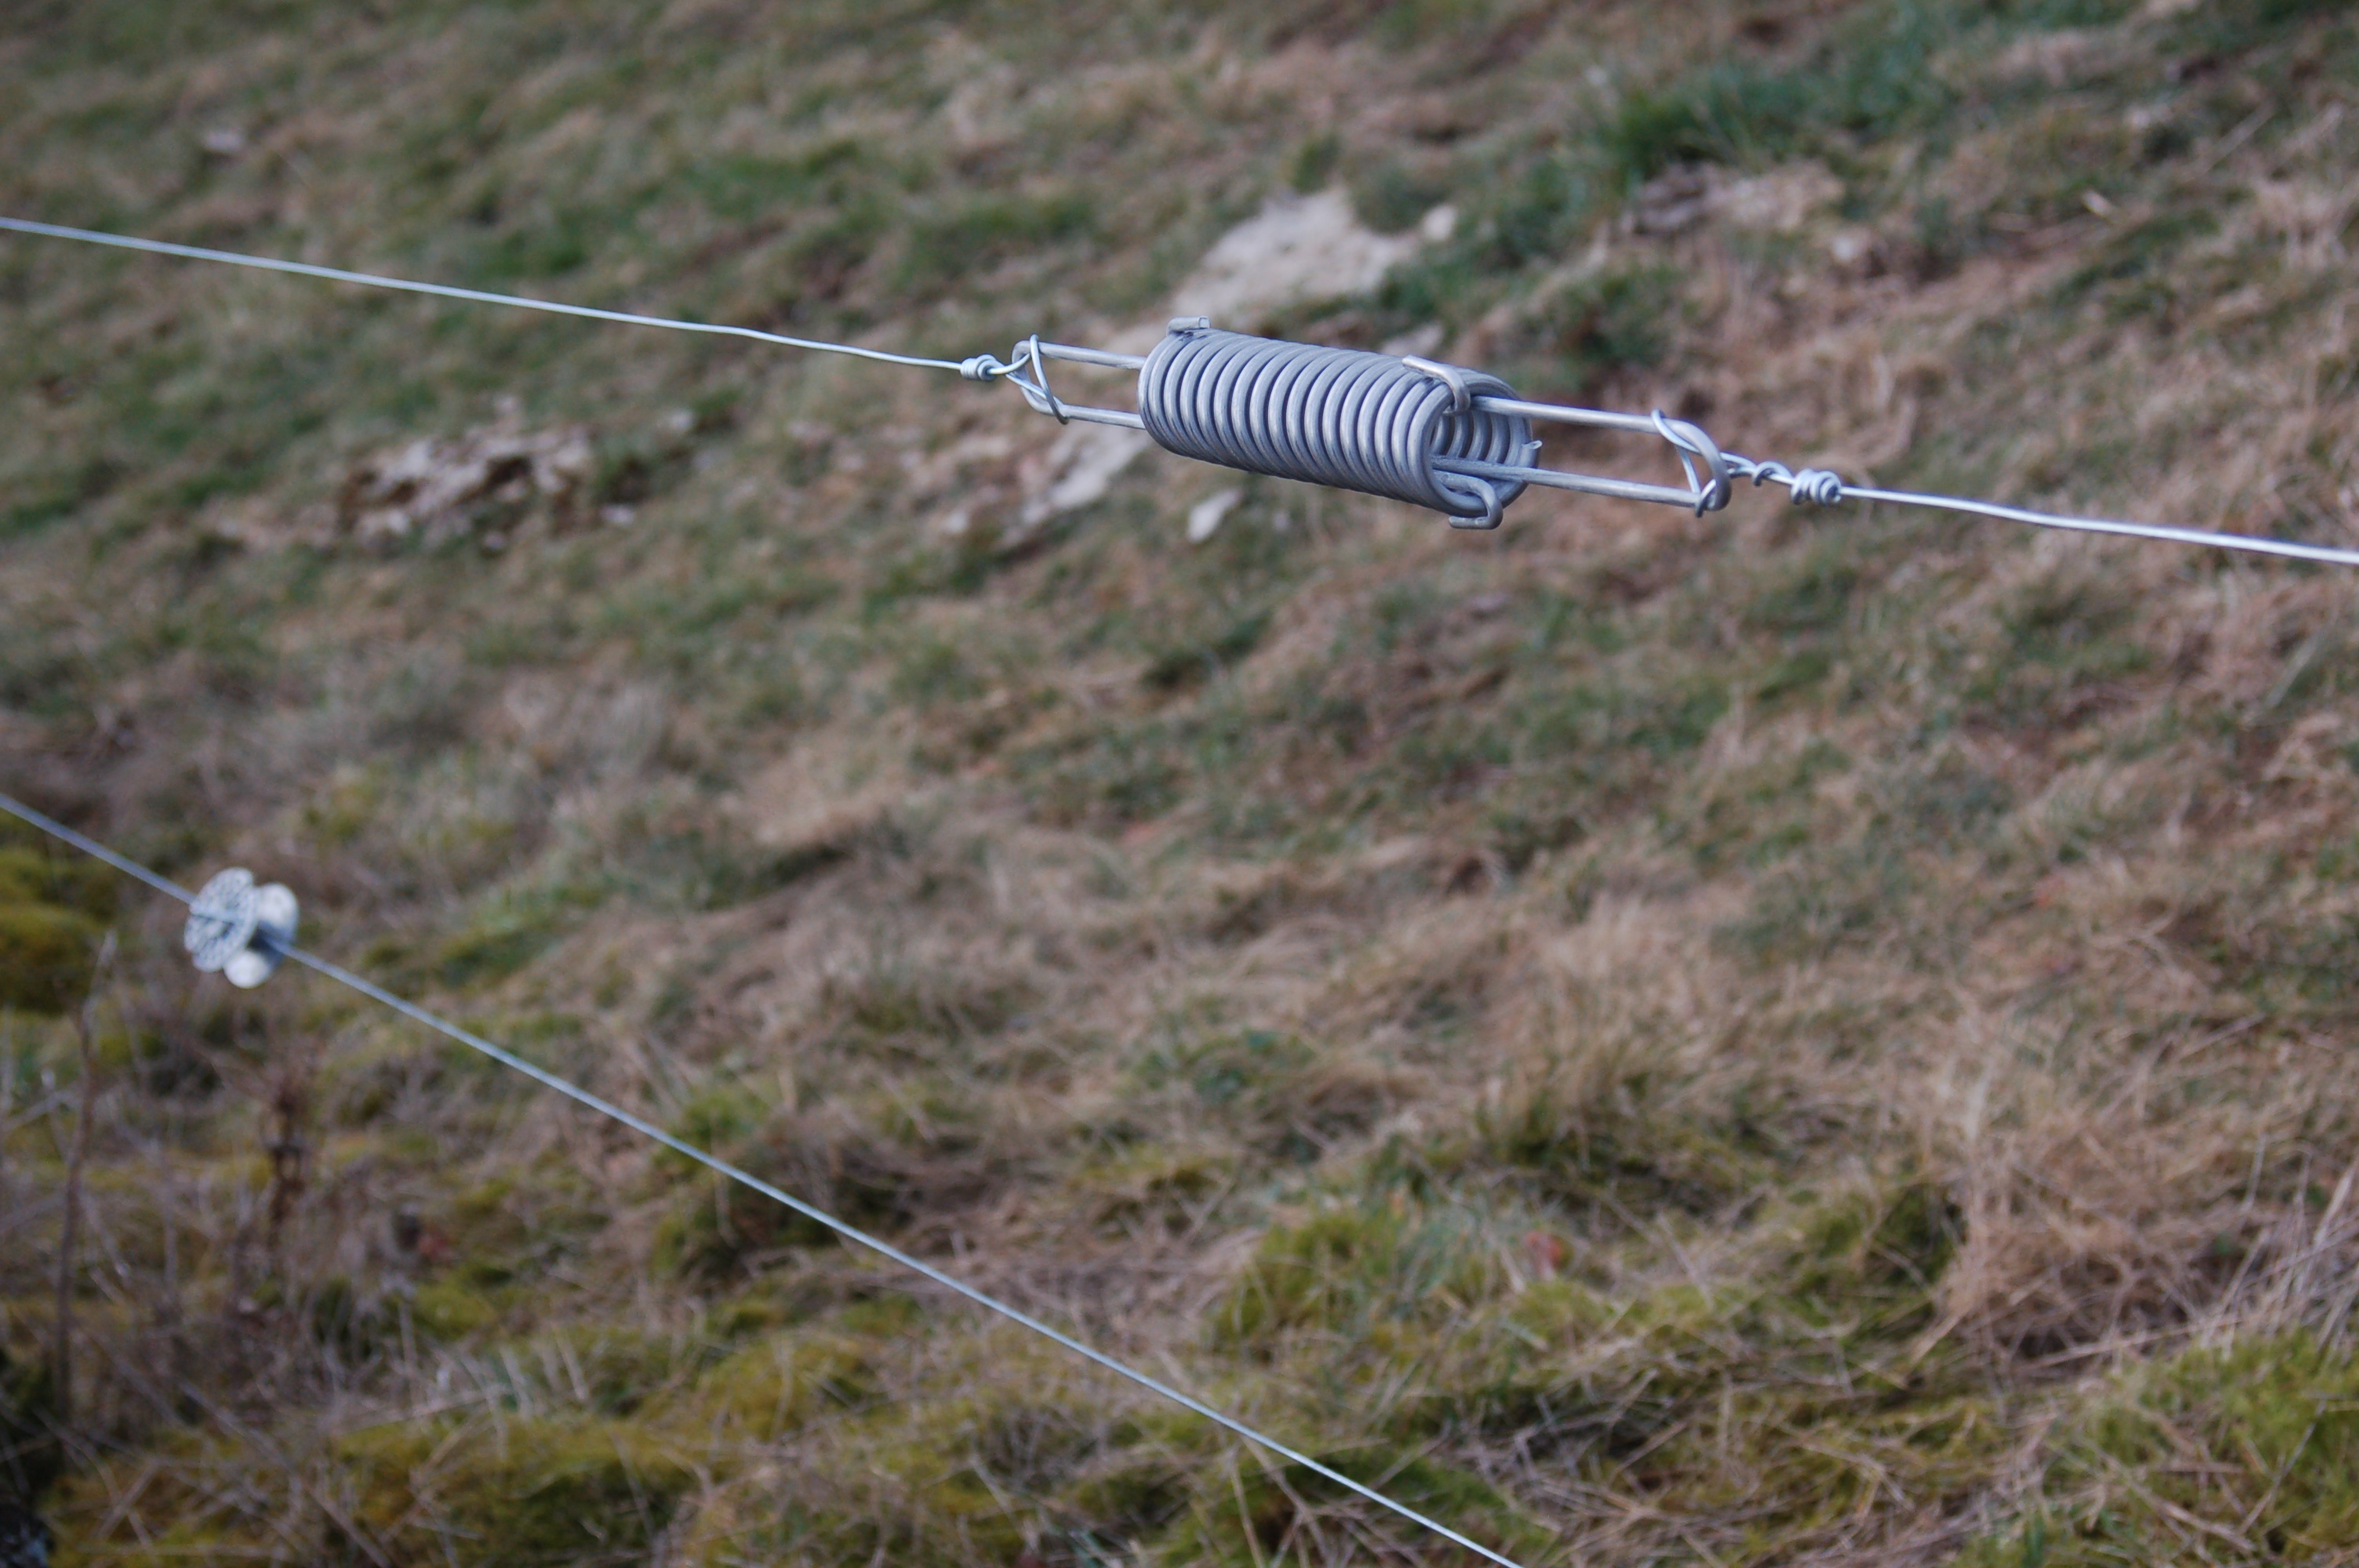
(1342, 417)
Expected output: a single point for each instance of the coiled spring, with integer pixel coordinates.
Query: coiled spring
(1458, 441)
(1334, 416)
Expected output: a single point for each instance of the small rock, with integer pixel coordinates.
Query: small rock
(223, 141)
(1417, 341)
(436, 486)
(1297, 248)
(1782, 201)
(1205, 517)
(1850, 247)
(1078, 467)
(2061, 58)
(1673, 202)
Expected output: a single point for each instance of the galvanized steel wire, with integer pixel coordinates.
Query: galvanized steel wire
(1437, 435)
(446, 291)
(754, 1184)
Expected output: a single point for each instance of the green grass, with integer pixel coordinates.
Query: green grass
(539, 1492)
(2250, 1450)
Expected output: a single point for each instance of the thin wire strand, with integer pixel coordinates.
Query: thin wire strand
(446, 291)
(852, 1232)
(2250, 544)
(57, 829)
(1817, 487)
(984, 367)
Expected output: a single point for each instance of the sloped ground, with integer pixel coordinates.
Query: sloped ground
(1779, 1037)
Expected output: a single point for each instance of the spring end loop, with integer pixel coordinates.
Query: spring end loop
(1690, 442)
(1492, 511)
(1030, 375)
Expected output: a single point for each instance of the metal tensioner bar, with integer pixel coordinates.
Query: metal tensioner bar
(1708, 492)
(1026, 370)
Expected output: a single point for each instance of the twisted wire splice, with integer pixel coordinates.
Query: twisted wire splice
(1814, 487)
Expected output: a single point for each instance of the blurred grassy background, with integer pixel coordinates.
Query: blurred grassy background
(1779, 1037)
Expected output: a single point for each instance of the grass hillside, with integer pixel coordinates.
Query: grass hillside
(1784, 1037)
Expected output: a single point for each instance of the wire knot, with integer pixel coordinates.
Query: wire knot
(984, 367)
(1811, 487)
(1817, 487)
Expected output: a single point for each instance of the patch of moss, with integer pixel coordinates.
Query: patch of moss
(1271, 1511)
(448, 1309)
(34, 873)
(1151, 1188)
(46, 957)
(1625, 1146)
(52, 916)
(977, 1478)
(718, 1119)
(526, 1492)
(1348, 1267)
(616, 1372)
(1873, 1256)
(774, 1387)
(2252, 1449)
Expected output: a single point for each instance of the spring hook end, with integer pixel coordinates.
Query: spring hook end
(1450, 376)
(1690, 442)
(1030, 375)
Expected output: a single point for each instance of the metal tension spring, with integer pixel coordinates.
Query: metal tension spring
(1458, 441)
